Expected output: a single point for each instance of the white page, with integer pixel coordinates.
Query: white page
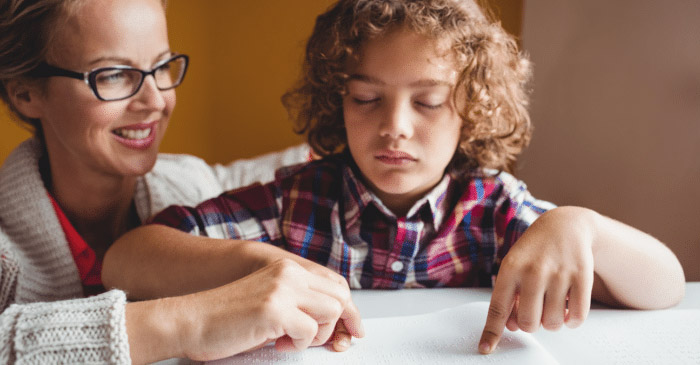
(632, 337)
(445, 337)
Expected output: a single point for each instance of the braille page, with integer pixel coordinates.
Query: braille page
(445, 337)
(670, 336)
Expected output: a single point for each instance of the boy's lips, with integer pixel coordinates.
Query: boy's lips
(394, 157)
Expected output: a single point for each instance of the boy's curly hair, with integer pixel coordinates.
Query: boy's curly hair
(491, 84)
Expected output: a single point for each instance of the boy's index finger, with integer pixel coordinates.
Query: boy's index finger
(500, 308)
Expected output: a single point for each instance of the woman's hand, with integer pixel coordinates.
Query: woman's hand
(341, 338)
(546, 278)
(282, 302)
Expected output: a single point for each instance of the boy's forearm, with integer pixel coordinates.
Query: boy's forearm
(156, 261)
(632, 268)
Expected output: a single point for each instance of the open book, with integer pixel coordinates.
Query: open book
(448, 336)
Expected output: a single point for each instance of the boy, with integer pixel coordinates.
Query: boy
(425, 101)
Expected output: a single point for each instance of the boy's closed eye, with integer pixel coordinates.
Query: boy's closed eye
(430, 103)
(364, 101)
(435, 97)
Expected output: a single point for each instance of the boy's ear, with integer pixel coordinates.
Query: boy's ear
(25, 97)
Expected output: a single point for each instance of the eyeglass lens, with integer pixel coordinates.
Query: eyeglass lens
(116, 83)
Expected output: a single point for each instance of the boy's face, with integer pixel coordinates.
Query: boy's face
(401, 125)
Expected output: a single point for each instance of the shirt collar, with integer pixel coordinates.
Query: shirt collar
(357, 196)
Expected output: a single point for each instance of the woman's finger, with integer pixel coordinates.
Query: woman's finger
(300, 330)
(340, 341)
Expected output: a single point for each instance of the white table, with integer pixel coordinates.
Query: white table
(604, 330)
(380, 304)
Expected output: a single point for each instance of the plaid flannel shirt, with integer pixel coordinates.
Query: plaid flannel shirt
(455, 236)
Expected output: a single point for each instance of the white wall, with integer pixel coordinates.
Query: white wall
(616, 109)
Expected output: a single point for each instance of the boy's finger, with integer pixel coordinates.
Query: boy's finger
(499, 311)
(555, 305)
(579, 303)
(529, 314)
(512, 323)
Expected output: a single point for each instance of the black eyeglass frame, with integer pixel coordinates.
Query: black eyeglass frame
(47, 70)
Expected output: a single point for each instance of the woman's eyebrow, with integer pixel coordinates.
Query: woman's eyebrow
(127, 61)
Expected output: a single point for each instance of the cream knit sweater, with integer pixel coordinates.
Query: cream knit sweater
(45, 318)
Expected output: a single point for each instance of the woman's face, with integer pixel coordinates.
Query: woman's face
(114, 138)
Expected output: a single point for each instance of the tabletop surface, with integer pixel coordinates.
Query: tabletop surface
(633, 336)
(620, 336)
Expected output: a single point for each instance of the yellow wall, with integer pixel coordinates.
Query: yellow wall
(10, 133)
(244, 56)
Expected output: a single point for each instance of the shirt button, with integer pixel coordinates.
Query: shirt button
(397, 266)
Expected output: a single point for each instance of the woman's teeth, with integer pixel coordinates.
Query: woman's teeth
(133, 133)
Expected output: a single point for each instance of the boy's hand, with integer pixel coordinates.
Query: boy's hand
(546, 277)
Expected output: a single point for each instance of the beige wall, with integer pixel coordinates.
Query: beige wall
(616, 104)
(617, 113)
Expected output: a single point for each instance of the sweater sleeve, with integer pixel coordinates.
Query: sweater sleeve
(85, 330)
(188, 180)
(261, 169)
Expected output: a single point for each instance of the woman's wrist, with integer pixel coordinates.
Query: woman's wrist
(259, 255)
(157, 329)
(256, 255)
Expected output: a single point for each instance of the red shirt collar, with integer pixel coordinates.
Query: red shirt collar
(89, 266)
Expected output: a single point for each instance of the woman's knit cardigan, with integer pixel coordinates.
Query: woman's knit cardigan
(45, 318)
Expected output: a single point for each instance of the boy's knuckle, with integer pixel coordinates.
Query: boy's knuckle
(528, 325)
(551, 324)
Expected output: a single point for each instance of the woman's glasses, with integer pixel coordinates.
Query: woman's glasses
(121, 82)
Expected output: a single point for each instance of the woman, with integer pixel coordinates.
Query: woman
(95, 79)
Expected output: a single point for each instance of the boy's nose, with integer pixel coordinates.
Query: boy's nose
(397, 122)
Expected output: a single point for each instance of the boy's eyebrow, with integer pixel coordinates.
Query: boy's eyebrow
(418, 83)
(367, 79)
